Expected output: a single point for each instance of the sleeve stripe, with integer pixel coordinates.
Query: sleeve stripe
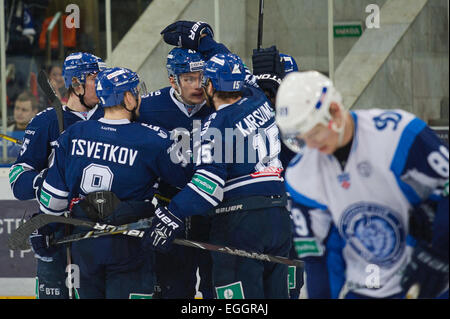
(54, 190)
(52, 202)
(25, 165)
(206, 197)
(211, 175)
(251, 181)
(406, 140)
(50, 212)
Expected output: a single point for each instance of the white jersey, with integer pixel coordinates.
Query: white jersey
(369, 200)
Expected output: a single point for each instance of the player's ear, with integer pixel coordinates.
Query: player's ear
(335, 110)
(336, 113)
(128, 98)
(173, 82)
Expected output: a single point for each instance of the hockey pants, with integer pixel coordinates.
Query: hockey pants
(267, 231)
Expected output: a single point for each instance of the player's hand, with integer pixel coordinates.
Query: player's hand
(427, 269)
(38, 181)
(186, 34)
(40, 243)
(163, 230)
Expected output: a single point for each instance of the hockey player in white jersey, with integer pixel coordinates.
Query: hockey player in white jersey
(368, 172)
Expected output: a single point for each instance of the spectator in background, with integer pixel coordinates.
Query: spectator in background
(57, 82)
(25, 108)
(20, 40)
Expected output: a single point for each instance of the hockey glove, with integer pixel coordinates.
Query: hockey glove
(163, 230)
(268, 61)
(421, 220)
(428, 270)
(186, 34)
(38, 181)
(40, 243)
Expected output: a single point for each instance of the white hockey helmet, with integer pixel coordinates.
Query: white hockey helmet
(303, 101)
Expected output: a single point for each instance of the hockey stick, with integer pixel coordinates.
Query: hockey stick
(45, 86)
(18, 240)
(20, 237)
(11, 139)
(260, 24)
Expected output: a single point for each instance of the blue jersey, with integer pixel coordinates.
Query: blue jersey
(161, 108)
(238, 156)
(38, 142)
(108, 155)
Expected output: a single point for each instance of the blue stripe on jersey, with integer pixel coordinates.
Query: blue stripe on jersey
(303, 200)
(355, 136)
(401, 155)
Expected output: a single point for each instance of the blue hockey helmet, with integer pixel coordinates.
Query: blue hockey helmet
(80, 64)
(180, 60)
(112, 83)
(226, 72)
(289, 63)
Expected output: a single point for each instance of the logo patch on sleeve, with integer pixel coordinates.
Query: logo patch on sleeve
(204, 184)
(14, 173)
(45, 198)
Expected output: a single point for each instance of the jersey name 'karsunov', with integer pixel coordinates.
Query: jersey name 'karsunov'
(263, 114)
(104, 151)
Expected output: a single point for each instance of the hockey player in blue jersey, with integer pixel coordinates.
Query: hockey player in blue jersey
(29, 170)
(180, 108)
(244, 168)
(117, 160)
(269, 68)
(369, 173)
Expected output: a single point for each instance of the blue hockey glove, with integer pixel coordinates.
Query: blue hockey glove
(38, 181)
(163, 230)
(40, 243)
(186, 34)
(427, 269)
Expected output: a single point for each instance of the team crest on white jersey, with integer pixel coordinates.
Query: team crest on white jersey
(364, 168)
(374, 232)
(344, 180)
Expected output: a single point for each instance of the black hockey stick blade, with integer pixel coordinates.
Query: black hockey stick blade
(18, 240)
(45, 86)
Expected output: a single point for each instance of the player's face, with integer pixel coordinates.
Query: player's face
(321, 138)
(90, 98)
(191, 89)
